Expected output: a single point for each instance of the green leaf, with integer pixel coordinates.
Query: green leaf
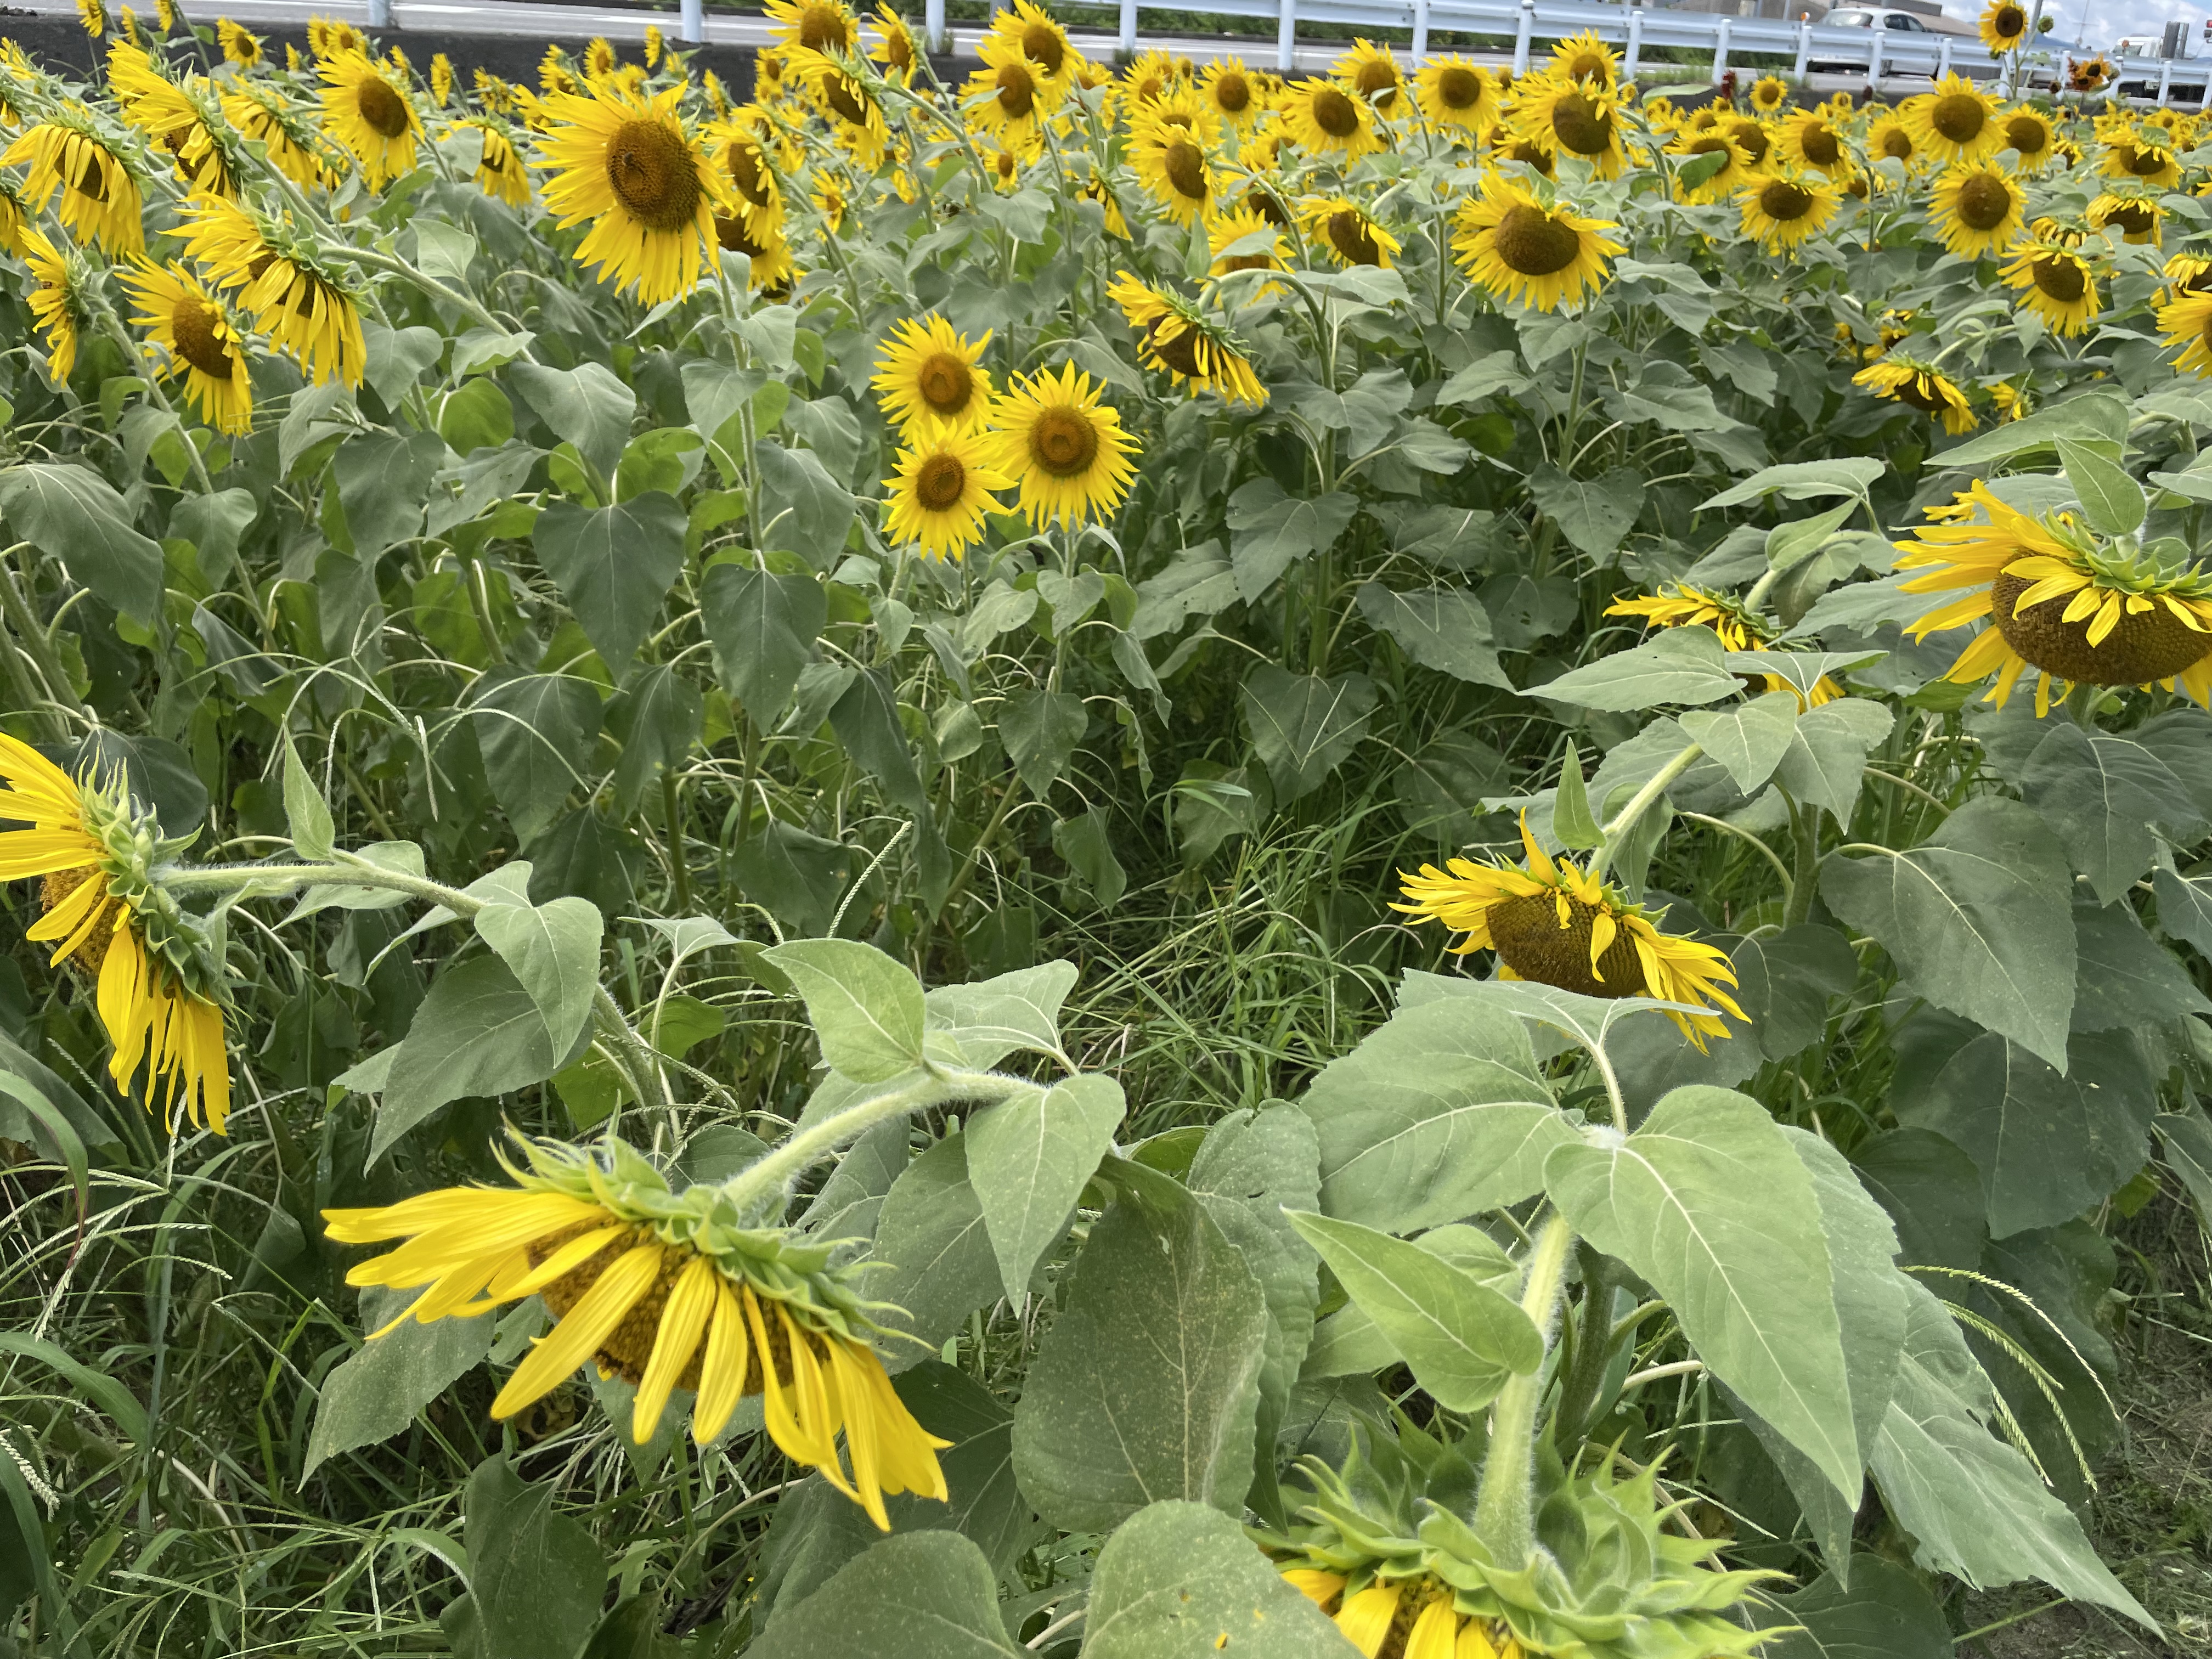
(1461, 1338)
(800, 507)
(586, 406)
(665, 459)
(73, 512)
(1682, 664)
(553, 951)
(796, 877)
(614, 565)
(1933, 1194)
(307, 817)
(1800, 481)
(2106, 796)
(2127, 978)
(477, 416)
(1147, 1384)
(1973, 1505)
(1789, 545)
(2187, 1140)
(375, 1392)
(1179, 1581)
(1708, 1201)
(1870, 1293)
(1041, 730)
(1084, 842)
(2110, 499)
(1443, 629)
(983, 1500)
(1593, 514)
(1347, 1343)
(213, 524)
(866, 1009)
(1749, 739)
(989, 1018)
(1976, 918)
(1786, 980)
(1885, 1614)
(478, 1032)
(1029, 1158)
(1572, 821)
(763, 626)
(1302, 727)
(2098, 420)
(534, 1574)
(657, 720)
(866, 719)
(536, 732)
(1270, 531)
(383, 481)
(920, 1595)
(402, 856)
(1826, 757)
(939, 1263)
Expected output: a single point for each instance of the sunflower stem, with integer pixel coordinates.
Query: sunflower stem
(467, 305)
(31, 640)
(1627, 818)
(1505, 1507)
(1593, 1348)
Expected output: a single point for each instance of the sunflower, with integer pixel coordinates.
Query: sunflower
(1232, 94)
(1739, 629)
(1891, 140)
(258, 111)
(14, 220)
(2055, 283)
(759, 193)
(239, 46)
(1353, 238)
(204, 349)
(1977, 208)
(1511, 244)
(101, 199)
(1097, 190)
(1957, 122)
(1148, 78)
(1174, 168)
(856, 120)
(942, 489)
(1005, 168)
(1064, 448)
(1580, 57)
(553, 74)
(1455, 96)
(815, 26)
(158, 979)
(2129, 617)
(94, 17)
(1030, 31)
(1234, 226)
(2137, 217)
(632, 169)
(928, 374)
(1371, 72)
(2083, 75)
(185, 121)
(1196, 351)
(1809, 137)
(1559, 925)
(2029, 135)
(1571, 117)
(499, 173)
(2144, 154)
(766, 247)
(828, 198)
(1918, 386)
(2185, 273)
(1185, 106)
(1734, 169)
(292, 296)
(771, 82)
(666, 1290)
(1769, 94)
(1010, 99)
(894, 48)
(370, 116)
(2004, 25)
(1322, 118)
(57, 303)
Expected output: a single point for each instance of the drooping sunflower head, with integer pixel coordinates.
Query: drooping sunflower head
(500, 171)
(1173, 165)
(1513, 245)
(1769, 94)
(929, 373)
(843, 99)
(102, 201)
(186, 121)
(2135, 213)
(294, 293)
(942, 489)
(259, 110)
(1242, 237)
(1371, 72)
(204, 349)
(1323, 118)
(1977, 208)
(92, 15)
(632, 170)
(2186, 324)
(2004, 25)
(1064, 447)
(2078, 608)
(1956, 122)
(2142, 153)
(894, 48)
(2187, 273)
(815, 26)
(667, 1289)
(1196, 351)
(1456, 97)
(1681, 606)
(368, 110)
(1353, 236)
(1920, 385)
(2057, 282)
(239, 46)
(60, 303)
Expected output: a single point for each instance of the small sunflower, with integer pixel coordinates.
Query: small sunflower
(258, 111)
(205, 348)
(57, 302)
(239, 46)
(292, 297)
(1097, 190)
(2143, 154)
(1782, 210)
(1235, 226)
(1032, 33)
(2029, 135)
(2185, 273)
(1812, 137)
(929, 375)
(2055, 282)
(600, 60)
(1733, 171)
(442, 79)
(1918, 386)
(1891, 140)
(1456, 97)
(500, 172)
(1147, 79)
(894, 46)
(1585, 57)
(2138, 217)
(766, 246)
(815, 26)
(1064, 448)
(1753, 136)
(1557, 924)
(1739, 628)
(666, 1290)
(1372, 73)
(101, 201)
(1571, 117)
(1977, 208)
(2004, 25)
(942, 489)
(2083, 75)
(1769, 94)
(1010, 99)
(1353, 236)
(1196, 351)
(631, 169)
(1956, 122)
(856, 120)
(1511, 244)
(740, 154)
(370, 116)
(94, 17)
(1174, 169)
(2077, 610)
(2186, 323)
(1004, 167)
(1233, 95)
(185, 120)
(1322, 118)
(828, 198)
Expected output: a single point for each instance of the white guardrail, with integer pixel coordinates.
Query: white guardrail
(1824, 59)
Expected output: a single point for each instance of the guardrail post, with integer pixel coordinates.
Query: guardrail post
(691, 23)
(1943, 58)
(379, 14)
(932, 23)
(1420, 30)
(1287, 36)
(2165, 79)
(1721, 47)
(1635, 56)
(2207, 103)
(1522, 37)
(1804, 45)
(1874, 63)
(1129, 26)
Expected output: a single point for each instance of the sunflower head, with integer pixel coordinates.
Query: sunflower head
(2135, 213)
(1456, 97)
(1978, 209)
(2004, 25)
(1174, 334)
(1769, 94)
(942, 489)
(931, 373)
(2055, 282)
(1371, 72)
(1920, 385)
(239, 46)
(1351, 234)
(1511, 243)
(1064, 446)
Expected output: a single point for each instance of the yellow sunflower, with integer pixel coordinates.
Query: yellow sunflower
(1175, 336)
(2004, 25)
(1918, 386)
(158, 982)
(14, 220)
(1323, 119)
(2128, 617)
(94, 17)
(1734, 170)
(2088, 74)
(1571, 117)
(186, 121)
(1064, 448)
(292, 297)
(1234, 226)
(1956, 122)
(766, 246)
(500, 171)
(668, 1291)
(1232, 94)
(631, 169)
(1147, 79)
(1174, 169)
(2186, 324)
(442, 79)
(1753, 136)
(894, 46)
(1372, 73)
(1585, 57)
(1890, 140)
(1032, 33)
(1511, 244)
(1769, 94)
(1977, 208)
(930, 375)
(203, 346)
(1810, 136)
(2137, 217)
(258, 111)
(1351, 234)
(101, 201)
(1557, 924)
(1456, 97)
(759, 193)
(2055, 282)
(1009, 99)
(815, 26)
(370, 116)
(856, 121)
(600, 60)
(2185, 273)
(2144, 154)
(2029, 135)
(942, 489)
(57, 303)
(1681, 606)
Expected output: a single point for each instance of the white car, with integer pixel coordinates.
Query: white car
(1863, 17)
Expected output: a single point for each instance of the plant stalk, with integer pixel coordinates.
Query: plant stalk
(1504, 1509)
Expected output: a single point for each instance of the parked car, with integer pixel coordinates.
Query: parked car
(1863, 17)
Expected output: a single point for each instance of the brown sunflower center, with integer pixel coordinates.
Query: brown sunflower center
(1532, 242)
(1042, 46)
(1589, 66)
(2134, 218)
(2027, 135)
(1780, 199)
(1004, 163)
(1820, 145)
(822, 26)
(750, 177)
(1581, 125)
(1531, 942)
(1349, 236)
(1064, 442)
(1534, 154)
(1263, 203)
(1923, 392)
(1984, 202)
(1459, 87)
(1958, 116)
(382, 108)
(1184, 163)
(940, 483)
(197, 326)
(2061, 279)
(1232, 94)
(1751, 138)
(2145, 646)
(1178, 352)
(2007, 21)
(1712, 144)
(650, 170)
(92, 183)
(1334, 114)
(899, 49)
(946, 382)
(1377, 77)
(735, 239)
(842, 94)
(1017, 91)
(1897, 144)
(2144, 163)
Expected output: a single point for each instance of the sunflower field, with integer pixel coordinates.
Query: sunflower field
(1086, 860)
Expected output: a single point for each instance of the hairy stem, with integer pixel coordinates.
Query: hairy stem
(1504, 1508)
(1624, 820)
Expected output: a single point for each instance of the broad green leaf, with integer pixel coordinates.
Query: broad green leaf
(939, 1263)
(478, 1032)
(800, 507)
(1749, 739)
(2186, 1138)
(1682, 664)
(1270, 531)
(1460, 1339)
(1870, 1301)
(1708, 1201)
(1179, 1581)
(866, 1009)
(1593, 514)
(1799, 480)
(95, 1387)
(1588, 1020)
(1826, 757)
(2098, 420)
(1304, 727)
(1973, 1505)
(1348, 1343)
(667, 458)
(534, 1574)
(553, 950)
(1146, 1386)
(1572, 821)
(1084, 842)
(2110, 499)
(1443, 629)
(614, 565)
(2107, 797)
(536, 732)
(306, 815)
(2127, 978)
(796, 877)
(1041, 730)
(586, 406)
(1789, 545)
(866, 721)
(1933, 1194)
(1885, 1614)
(477, 416)
(72, 512)
(1977, 918)
(2185, 907)
(402, 856)
(213, 524)
(376, 1392)
(1786, 980)
(992, 1018)
(1439, 1112)
(920, 1595)
(383, 481)
(763, 626)
(1029, 1158)
(656, 718)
